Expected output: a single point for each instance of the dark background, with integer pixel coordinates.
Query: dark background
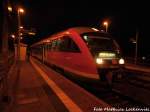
(51, 16)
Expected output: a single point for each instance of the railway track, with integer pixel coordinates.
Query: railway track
(139, 79)
(117, 99)
(115, 96)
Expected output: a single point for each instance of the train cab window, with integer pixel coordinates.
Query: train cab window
(97, 42)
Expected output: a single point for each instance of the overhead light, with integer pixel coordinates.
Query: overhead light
(10, 8)
(13, 36)
(31, 33)
(21, 27)
(21, 10)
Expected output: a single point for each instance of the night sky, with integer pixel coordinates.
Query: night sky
(51, 16)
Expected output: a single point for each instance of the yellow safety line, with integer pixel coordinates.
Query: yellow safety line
(70, 105)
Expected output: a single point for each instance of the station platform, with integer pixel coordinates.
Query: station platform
(34, 87)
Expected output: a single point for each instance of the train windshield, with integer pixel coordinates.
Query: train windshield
(97, 42)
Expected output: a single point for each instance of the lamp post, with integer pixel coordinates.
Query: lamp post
(19, 11)
(136, 47)
(9, 8)
(5, 31)
(106, 25)
(135, 41)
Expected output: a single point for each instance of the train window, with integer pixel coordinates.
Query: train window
(58, 43)
(49, 46)
(66, 44)
(38, 49)
(54, 43)
(63, 44)
(73, 46)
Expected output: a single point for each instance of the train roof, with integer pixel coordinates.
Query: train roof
(79, 30)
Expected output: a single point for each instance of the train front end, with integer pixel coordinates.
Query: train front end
(106, 54)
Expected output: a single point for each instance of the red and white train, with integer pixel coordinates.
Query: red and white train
(82, 51)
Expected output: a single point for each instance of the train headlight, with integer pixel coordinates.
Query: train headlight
(99, 61)
(121, 61)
